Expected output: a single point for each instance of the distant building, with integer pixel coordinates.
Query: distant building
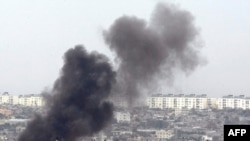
(233, 102)
(200, 102)
(26, 100)
(164, 134)
(180, 101)
(122, 117)
(206, 138)
(32, 100)
(13, 99)
(212, 103)
(5, 98)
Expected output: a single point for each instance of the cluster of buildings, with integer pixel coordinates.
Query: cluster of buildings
(25, 100)
(157, 101)
(192, 101)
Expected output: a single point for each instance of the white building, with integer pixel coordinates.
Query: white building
(206, 138)
(212, 103)
(26, 100)
(233, 102)
(14, 99)
(5, 98)
(180, 101)
(192, 101)
(164, 134)
(21, 100)
(247, 105)
(33, 100)
(122, 117)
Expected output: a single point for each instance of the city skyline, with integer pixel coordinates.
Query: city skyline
(34, 36)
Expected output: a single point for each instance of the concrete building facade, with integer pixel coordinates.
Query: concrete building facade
(200, 102)
(164, 134)
(25, 100)
(122, 117)
(180, 101)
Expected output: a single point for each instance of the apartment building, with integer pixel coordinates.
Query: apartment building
(234, 102)
(122, 117)
(26, 100)
(212, 103)
(4, 98)
(13, 99)
(192, 101)
(164, 134)
(247, 103)
(179, 101)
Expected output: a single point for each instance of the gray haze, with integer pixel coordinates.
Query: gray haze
(150, 51)
(76, 106)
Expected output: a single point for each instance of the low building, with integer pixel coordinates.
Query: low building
(122, 117)
(206, 138)
(5, 112)
(164, 134)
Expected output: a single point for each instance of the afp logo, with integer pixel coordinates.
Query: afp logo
(236, 132)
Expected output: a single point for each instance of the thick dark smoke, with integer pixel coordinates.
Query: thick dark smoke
(149, 51)
(76, 105)
(146, 52)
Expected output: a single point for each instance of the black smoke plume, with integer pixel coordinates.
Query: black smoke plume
(76, 106)
(146, 52)
(152, 51)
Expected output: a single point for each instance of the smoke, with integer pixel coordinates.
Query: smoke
(76, 105)
(146, 52)
(151, 51)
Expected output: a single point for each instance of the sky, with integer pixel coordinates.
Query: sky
(35, 34)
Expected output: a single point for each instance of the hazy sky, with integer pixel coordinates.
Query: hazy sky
(34, 35)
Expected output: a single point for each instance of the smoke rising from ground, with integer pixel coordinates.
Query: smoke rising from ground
(76, 105)
(149, 51)
(146, 52)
